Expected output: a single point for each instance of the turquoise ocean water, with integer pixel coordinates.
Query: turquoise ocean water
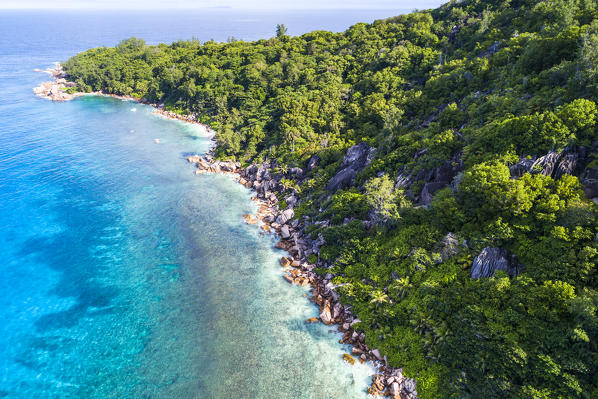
(123, 274)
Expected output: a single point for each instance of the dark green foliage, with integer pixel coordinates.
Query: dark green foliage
(473, 85)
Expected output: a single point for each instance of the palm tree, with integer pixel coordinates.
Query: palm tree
(378, 297)
(403, 286)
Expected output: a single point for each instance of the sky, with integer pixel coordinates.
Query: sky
(241, 4)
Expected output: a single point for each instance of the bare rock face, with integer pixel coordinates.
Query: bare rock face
(567, 164)
(342, 179)
(546, 164)
(404, 179)
(357, 157)
(570, 161)
(555, 164)
(492, 259)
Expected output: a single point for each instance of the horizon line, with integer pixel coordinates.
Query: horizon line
(204, 8)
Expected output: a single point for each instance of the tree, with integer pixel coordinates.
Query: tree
(281, 31)
(487, 191)
(589, 53)
(384, 200)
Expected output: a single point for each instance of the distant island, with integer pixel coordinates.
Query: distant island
(433, 175)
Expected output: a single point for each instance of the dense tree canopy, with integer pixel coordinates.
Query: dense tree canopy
(475, 88)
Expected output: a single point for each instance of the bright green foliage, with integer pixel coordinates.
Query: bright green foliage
(383, 199)
(472, 85)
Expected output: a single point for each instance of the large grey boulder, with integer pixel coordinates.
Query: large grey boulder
(296, 172)
(357, 157)
(342, 179)
(251, 171)
(284, 231)
(291, 200)
(408, 390)
(590, 182)
(285, 216)
(492, 259)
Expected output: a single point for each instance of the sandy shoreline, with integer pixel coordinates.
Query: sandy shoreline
(56, 91)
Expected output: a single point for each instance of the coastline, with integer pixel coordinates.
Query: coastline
(267, 188)
(55, 91)
(388, 381)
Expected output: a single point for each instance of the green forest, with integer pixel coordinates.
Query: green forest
(480, 123)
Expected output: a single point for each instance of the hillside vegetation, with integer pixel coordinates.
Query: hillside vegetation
(460, 226)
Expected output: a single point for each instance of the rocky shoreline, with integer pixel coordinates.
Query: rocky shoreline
(293, 239)
(54, 90)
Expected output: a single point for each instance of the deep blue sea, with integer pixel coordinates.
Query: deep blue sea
(122, 273)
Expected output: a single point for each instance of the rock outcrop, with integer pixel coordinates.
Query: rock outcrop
(55, 90)
(357, 157)
(492, 259)
(570, 161)
(208, 165)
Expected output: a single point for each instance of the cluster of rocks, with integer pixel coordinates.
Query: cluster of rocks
(432, 179)
(389, 381)
(299, 245)
(571, 161)
(394, 385)
(209, 165)
(55, 90)
(486, 263)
